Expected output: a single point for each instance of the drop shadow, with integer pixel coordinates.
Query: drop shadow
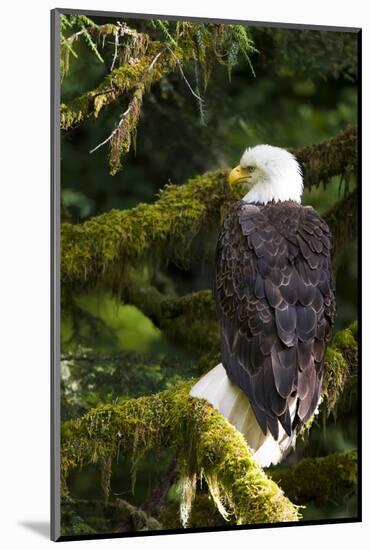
(42, 528)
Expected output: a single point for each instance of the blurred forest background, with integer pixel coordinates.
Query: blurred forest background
(289, 88)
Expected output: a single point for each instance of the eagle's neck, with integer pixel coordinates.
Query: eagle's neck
(278, 188)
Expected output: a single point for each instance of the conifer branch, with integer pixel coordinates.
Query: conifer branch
(214, 42)
(120, 81)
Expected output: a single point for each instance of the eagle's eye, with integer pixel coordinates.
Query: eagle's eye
(250, 169)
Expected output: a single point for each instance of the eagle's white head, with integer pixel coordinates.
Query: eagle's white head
(270, 174)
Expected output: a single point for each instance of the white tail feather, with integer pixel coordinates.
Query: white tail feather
(231, 402)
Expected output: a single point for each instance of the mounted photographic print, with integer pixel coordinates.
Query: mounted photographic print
(205, 208)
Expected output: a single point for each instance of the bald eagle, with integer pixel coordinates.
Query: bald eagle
(275, 298)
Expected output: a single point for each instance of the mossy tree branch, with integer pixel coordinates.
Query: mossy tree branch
(105, 245)
(102, 247)
(190, 320)
(319, 480)
(135, 519)
(341, 360)
(336, 156)
(205, 443)
(343, 220)
(191, 42)
(122, 80)
(340, 371)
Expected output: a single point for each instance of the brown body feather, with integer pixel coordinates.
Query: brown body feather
(275, 297)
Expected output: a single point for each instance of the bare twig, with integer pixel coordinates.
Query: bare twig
(73, 36)
(154, 61)
(199, 98)
(201, 105)
(115, 53)
(122, 117)
(113, 131)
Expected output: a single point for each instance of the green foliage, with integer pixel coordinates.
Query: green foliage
(80, 24)
(224, 42)
(164, 28)
(241, 43)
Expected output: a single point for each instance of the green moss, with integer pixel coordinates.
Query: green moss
(335, 156)
(102, 247)
(340, 369)
(336, 375)
(353, 328)
(320, 480)
(346, 342)
(193, 42)
(206, 444)
(118, 82)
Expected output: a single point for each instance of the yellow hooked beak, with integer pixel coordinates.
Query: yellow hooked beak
(238, 175)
